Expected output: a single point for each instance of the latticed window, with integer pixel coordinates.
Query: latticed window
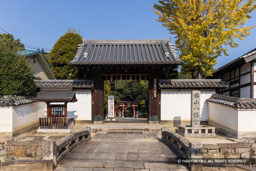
(57, 111)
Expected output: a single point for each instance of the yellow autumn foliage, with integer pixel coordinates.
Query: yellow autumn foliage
(204, 28)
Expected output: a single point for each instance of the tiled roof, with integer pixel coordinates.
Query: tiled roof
(64, 83)
(239, 103)
(132, 52)
(60, 95)
(191, 83)
(13, 100)
(246, 58)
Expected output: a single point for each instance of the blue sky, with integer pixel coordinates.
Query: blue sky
(40, 23)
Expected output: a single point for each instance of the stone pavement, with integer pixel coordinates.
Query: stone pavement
(121, 151)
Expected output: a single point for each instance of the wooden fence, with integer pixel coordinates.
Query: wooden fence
(56, 123)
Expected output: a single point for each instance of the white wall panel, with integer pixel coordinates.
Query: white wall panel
(177, 104)
(247, 120)
(245, 92)
(204, 106)
(224, 115)
(6, 119)
(254, 77)
(26, 115)
(245, 79)
(245, 68)
(81, 110)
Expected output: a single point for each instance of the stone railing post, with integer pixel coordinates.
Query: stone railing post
(49, 155)
(195, 153)
(89, 130)
(164, 129)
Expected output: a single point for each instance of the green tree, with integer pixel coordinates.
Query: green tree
(8, 41)
(16, 78)
(204, 29)
(62, 53)
(133, 91)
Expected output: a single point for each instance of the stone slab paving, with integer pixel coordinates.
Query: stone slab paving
(121, 151)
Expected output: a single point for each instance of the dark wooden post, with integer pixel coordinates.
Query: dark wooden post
(154, 106)
(48, 109)
(98, 99)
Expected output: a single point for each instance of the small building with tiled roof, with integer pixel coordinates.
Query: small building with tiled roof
(78, 91)
(240, 76)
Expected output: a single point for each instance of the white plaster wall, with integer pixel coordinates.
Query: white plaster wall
(254, 66)
(177, 104)
(254, 96)
(81, 110)
(224, 115)
(245, 79)
(247, 120)
(245, 68)
(245, 92)
(203, 104)
(26, 115)
(5, 119)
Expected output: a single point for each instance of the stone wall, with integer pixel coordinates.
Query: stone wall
(3, 153)
(47, 151)
(242, 149)
(24, 150)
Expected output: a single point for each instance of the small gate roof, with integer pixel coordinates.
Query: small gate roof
(129, 52)
(59, 95)
(191, 83)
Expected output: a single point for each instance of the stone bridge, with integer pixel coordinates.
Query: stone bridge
(122, 150)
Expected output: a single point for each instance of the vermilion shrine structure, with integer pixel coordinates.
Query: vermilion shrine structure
(132, 104)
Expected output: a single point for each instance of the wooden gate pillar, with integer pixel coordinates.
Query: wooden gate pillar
(98, 99)
(154, 99)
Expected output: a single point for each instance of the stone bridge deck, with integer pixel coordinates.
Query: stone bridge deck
(121, 151)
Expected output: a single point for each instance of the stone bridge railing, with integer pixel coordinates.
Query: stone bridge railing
(50, 153)
(244, 149)
(176, 141)
(70, 143)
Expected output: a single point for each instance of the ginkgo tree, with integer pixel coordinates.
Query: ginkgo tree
(204, 29)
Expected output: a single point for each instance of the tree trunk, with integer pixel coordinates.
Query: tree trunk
(198, 71)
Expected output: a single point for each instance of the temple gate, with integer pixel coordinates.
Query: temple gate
(125, 60)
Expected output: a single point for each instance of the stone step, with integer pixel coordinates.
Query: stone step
(125, 164)
(129, 135)
(157, 130)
